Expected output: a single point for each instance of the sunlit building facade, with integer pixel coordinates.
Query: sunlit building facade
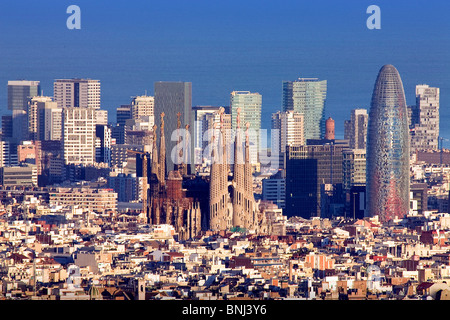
(388, 148)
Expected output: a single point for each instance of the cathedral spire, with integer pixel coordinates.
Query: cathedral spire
(154, 168)
(218, 186)
(162, 152)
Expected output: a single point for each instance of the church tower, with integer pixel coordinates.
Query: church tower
(244, 205)
(218, 187)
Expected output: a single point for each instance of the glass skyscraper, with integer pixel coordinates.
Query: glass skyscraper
(250, 104)
(307, 96)
(173, 98)
(388, 148)
(20, 93)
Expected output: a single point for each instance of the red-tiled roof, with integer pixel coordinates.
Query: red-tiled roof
(424, 285)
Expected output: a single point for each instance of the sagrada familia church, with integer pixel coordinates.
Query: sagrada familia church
(193, 204)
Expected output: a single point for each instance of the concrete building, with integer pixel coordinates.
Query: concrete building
(353, 168)
(143, 106)
(97, 200)
(79, 93)
(290, 126)
(120, 156)
(49, 121)
(355, 129)
(127, 187)
(101, 117)
(425, 133)
(25, 175)
(212, 120)
(274, 190)
(79, 135)
(32, 113)
(200, 127)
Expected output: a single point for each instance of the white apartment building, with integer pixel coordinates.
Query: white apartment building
(81, 93)
(79, 135)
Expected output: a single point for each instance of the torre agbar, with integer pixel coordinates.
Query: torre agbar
(388, 148)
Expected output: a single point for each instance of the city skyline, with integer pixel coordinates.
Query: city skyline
(211, 58)
(235, 151)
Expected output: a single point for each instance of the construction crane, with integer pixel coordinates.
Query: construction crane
(144, 157)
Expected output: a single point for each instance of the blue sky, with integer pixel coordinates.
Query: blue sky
(221, 46)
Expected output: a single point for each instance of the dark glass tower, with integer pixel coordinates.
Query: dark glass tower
(172, 98)
(388, 148)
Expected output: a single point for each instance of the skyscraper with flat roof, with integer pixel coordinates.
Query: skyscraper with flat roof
(33, 115)
(308, 167)
(307, 96)
(173, 98)
(356, 129)
(425, 134)
(79, 135)
(388, 148)
(143, 106)
(19, 94)
(250, 104)
(82, 93)
(291, 131)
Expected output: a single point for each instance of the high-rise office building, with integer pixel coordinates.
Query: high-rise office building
(81, 93)
(103, 148)
(250, 104)
(32, 113)
(291, 131)
(143, 106)
(79, 135)
(20, 92)
(200, 127)
(49, 124)
(50, 161)
(172, 98)
(274, 189)
(354, 168)
(8, 156)
(388, 148)
(7, 129)
(123, 113)
(307, 168)
(355, 130)
(425, 133)
(218, 119)
(101, 116)
(307, 96)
